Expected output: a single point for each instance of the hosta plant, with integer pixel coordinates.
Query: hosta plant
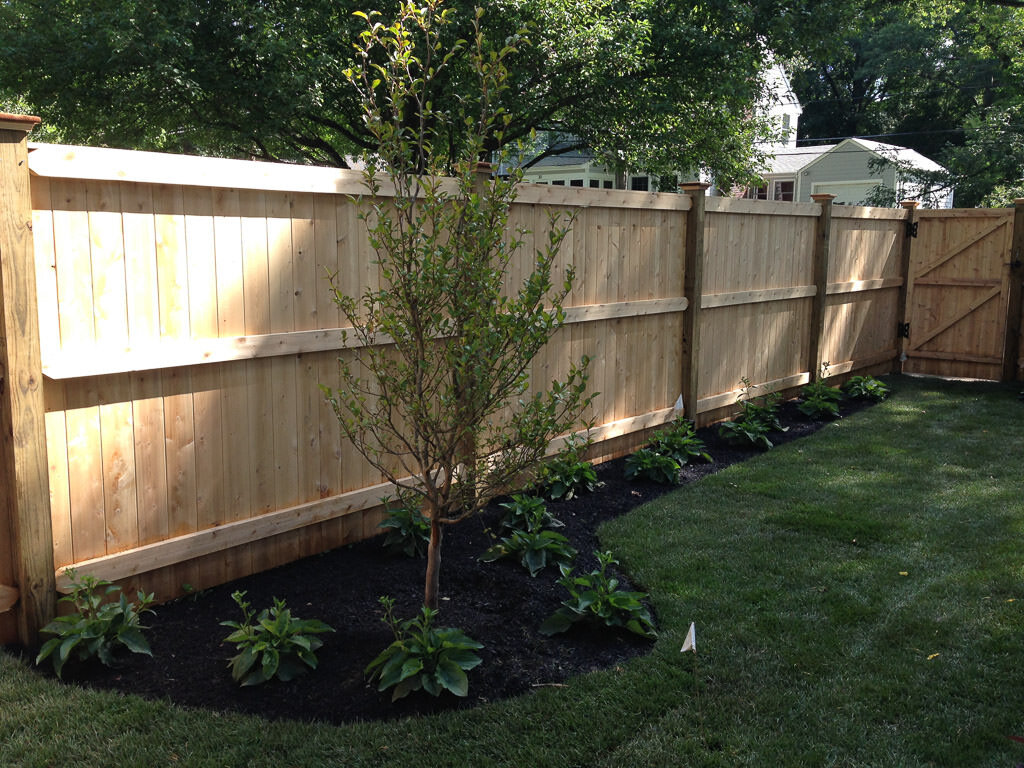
(523, 511)
(96, 629)
(532, 542)
(757, 419)
(272, 644)
(596, 597)
(423, 657)
(567, 475)
(646, 464)
(818, 400)
(866, 388)
(407, 530)
(680, 442)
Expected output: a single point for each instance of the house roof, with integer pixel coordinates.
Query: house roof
(790, 160)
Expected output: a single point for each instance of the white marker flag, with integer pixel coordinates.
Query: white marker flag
(690, 643)
(678, 407)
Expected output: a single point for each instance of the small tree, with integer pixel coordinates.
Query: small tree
(437, 396)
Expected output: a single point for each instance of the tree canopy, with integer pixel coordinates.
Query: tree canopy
(945, 78)
(649, 84)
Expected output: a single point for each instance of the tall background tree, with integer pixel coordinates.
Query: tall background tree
(649, 84)
(943, 77)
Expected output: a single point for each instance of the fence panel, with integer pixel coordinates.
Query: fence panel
(185, 326)
(758, 282)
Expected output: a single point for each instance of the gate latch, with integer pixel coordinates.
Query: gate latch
(903, 330)
(911, 229)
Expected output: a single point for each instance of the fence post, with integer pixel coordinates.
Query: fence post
(693, 287)
(25, 496)
(1011, 351)
(822, 248)
(903, 331)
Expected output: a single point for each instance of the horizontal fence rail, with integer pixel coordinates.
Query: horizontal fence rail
(184, 326)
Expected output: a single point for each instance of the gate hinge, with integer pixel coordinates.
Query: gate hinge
(903, 330)
(911, 229)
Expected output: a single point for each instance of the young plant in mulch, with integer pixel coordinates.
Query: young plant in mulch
(442, 409)
(596, 597)
(866, 388)
(679, 441)
(272, 644)
(96, 629)
(530, 539)
(568, 475)
(408, 531)
(423, 657)
(757, 419)
(647, 464)
(819, 401)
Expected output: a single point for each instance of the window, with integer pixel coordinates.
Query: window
(576, 183)
(594, 183)
(782, 190)
(608, 185)
(756, 193)
(559, 182)
(639, 183)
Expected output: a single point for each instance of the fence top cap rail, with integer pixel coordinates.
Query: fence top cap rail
(764, 207)
(102, 164)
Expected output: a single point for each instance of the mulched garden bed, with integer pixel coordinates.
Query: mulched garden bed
(498, 604)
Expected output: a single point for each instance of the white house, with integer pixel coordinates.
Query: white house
(579, 168)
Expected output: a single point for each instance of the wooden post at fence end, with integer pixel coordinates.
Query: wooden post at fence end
(822, 247)
(903, 302)
(693, 287)
(1011, 351)
(25, 496)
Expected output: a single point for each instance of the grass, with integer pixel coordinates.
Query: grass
(858, 598)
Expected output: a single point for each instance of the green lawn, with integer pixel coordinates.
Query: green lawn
(858, 598)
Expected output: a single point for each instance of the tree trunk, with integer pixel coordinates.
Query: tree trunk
(433, 578)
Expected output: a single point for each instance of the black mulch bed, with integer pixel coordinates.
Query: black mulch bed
(497, 604)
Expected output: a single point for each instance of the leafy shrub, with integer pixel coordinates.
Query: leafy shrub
(408, 531)
(423, 657)
(680, 441)
(756, 420)
(597, 597)
(523, 512)
(272, 644)
(96, 629)
(567, 475)
(535, 545)
(866, 388)
(819, 400)
(646, 464)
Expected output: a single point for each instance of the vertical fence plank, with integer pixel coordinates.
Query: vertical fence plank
(693, 289)
(26, 493)
(822, 248)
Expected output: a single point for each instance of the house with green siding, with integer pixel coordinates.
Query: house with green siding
(857, 172)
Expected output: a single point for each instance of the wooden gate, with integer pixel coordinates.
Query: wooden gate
(959, 292)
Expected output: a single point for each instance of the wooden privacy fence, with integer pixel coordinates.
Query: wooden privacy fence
(167, 323)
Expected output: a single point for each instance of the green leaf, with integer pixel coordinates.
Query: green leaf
(556, 623)
(452, 677)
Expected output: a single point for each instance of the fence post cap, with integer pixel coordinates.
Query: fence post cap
(909, 204)
(693, 186)
(1018, 201)
(26, 123)
(823, 197)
